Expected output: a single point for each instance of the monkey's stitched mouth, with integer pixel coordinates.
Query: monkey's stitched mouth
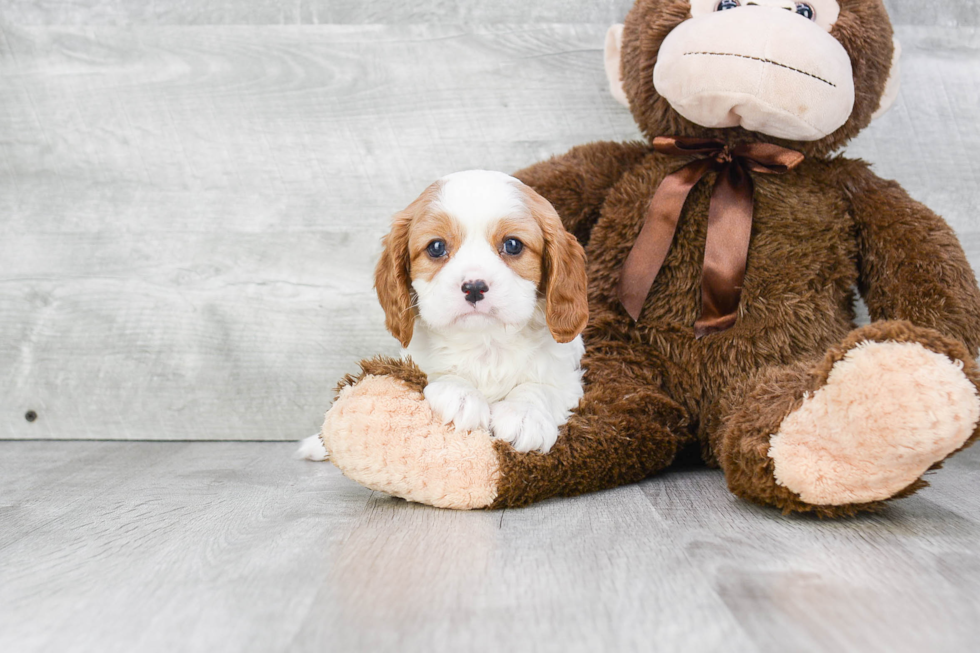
(760, 59)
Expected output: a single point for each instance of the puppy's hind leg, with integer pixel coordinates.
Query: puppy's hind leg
(312, 448)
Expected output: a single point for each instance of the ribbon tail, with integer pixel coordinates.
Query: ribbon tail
(650, 249)
(726, 250)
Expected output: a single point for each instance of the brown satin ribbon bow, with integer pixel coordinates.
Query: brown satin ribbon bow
(729, 224)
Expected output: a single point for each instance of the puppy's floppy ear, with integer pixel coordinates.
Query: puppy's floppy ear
(392, 280)
(565, 281)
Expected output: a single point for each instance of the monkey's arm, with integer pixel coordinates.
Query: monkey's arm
(576, 182)
(911, 264)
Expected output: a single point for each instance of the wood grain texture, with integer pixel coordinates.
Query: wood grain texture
(286, 12)
(280, 12)
(235, 546)
(191, 213)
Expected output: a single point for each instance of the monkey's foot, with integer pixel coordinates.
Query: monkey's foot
(888, 412)
(381, 433)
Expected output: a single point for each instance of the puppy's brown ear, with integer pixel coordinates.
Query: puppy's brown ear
(565, 281)
(393, 276)
(392, 280)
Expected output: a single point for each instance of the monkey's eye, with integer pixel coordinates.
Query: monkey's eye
(727, 4)
(513, 246)
(806, 11)
(436, 249)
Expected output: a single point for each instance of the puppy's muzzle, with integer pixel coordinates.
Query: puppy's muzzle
(474, 290)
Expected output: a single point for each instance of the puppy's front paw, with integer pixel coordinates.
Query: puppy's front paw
(459, 403)
(524, 425)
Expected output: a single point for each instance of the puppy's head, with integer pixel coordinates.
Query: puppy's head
(480, 249)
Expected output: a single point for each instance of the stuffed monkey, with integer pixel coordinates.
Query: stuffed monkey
(723, 257)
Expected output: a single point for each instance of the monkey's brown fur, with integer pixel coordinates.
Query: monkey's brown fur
(819, 231)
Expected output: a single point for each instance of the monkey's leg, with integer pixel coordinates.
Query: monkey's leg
(845, 433)
(382, 434)
(625, 429)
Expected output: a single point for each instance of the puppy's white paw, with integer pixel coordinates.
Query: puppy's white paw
(459, 403)
(524, 425)
(312, 448)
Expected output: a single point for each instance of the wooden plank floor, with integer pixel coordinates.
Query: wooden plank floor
(239, 547)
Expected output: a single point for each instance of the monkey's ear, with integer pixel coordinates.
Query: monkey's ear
(614, 51)
(892, 85)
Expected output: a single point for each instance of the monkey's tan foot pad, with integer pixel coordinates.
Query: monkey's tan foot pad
(383, 435)
(888, 412)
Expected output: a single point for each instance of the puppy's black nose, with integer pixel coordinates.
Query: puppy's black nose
(474, 290)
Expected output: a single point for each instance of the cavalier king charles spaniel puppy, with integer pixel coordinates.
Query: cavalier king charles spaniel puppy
(486, 292)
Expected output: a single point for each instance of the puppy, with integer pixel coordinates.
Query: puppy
(486, 292)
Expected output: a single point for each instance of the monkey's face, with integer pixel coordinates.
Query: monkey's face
(806, 73)
(765, 68)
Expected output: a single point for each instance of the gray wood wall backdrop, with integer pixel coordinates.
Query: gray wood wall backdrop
(192, 193)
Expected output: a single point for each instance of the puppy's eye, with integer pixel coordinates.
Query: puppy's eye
(806, 11)
(436, 249)
(513, 246)
(727, 4)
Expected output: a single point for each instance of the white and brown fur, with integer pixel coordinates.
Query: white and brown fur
(510, 361)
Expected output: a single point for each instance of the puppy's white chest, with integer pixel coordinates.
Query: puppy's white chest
(494, 368)
(494, 372)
